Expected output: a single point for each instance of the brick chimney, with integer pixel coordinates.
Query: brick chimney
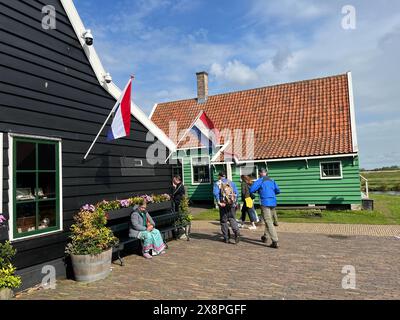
(202, 86)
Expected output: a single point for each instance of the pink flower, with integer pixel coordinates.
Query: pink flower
(89, 207)
(124, 203)
(2, 218)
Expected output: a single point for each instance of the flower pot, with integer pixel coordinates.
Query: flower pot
(6, 294)
(119, 213)
(165, 205)
(89, 268)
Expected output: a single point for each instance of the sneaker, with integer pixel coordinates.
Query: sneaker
(276, 224)
(225, 240)
(274, 245)
(252, 228)
(264, 239)
(162, 252)
(147, 255)
(237, 239)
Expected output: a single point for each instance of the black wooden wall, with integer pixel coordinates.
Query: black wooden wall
(48, 88)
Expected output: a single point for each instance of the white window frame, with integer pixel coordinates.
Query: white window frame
(191, 169)
(1, 172)
(11, 136)
(331, 178)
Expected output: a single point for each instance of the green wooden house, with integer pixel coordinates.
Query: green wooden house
(303, 132)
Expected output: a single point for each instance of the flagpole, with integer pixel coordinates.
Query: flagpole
(215, 157)
(184, 136)
(108, 117)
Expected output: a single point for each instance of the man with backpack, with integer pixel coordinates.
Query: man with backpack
(267, 189)
(226, 195)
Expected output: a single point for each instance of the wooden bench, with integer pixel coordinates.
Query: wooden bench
(164, 223)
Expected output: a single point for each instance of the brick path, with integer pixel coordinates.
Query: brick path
(323, 228)
(307, 266)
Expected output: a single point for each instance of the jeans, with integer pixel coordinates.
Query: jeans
(251, 211)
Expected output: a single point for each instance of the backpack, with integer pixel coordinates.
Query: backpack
(227, 194)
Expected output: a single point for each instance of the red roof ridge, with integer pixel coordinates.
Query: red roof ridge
(260, 88)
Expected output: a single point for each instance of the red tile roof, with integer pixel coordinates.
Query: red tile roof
(305, 118)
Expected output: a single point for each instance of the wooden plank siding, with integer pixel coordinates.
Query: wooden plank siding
(302, 186)
(49, 89)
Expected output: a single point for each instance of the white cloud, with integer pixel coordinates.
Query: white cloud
(234, 73)
(280, 41)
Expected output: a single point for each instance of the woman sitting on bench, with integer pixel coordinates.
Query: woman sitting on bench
(142, 227)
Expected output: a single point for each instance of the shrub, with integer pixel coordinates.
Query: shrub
(8, 279)
(160, 198)
(384, 187)
(90, 234)
(136, 201)
(108, 205)
(184, 216)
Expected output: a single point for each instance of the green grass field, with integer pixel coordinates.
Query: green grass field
(383, 180)
(386, 211)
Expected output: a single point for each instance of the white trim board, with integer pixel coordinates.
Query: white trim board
(111, 88)
(153, 110)
(352, 113)
(294, 159)
(1, 172)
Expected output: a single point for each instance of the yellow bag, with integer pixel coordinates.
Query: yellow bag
(249, 202)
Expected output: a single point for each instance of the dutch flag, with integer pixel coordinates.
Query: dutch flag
(204, 129)
(121, 124)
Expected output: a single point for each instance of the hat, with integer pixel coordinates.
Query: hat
(221, 174)
(262, 170)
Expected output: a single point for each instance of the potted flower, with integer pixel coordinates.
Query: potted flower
(8, 279)
(185, 218)
(91, 245)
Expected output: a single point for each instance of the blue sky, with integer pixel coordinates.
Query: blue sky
(253, 43)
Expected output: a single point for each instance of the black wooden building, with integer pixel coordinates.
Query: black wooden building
(53, 101)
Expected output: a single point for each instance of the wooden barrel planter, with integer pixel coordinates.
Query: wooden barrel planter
(89, 268)
(6, 294)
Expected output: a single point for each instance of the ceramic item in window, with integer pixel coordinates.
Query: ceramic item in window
(24, 194)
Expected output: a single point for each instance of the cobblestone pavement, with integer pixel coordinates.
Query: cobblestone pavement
(324, 228)
(307, 266)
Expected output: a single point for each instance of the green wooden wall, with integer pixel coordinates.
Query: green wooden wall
(299, 184)
(201, 192)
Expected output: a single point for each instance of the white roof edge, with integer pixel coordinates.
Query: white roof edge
(352, 113)
(153, 110)
(111, 88)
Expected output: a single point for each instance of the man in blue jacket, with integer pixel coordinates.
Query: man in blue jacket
(226, 195)
(268, 189)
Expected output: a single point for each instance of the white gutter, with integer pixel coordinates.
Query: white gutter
(293, 159)
(352, 113)
(111, 88)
